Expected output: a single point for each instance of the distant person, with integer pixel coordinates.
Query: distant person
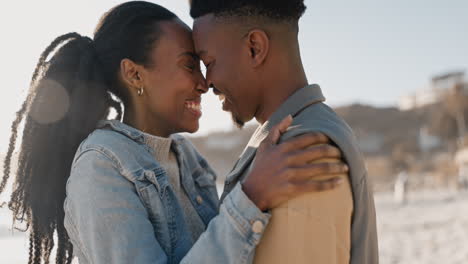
(251, 51)
(400, 188)
(131, 191)
(462, 178)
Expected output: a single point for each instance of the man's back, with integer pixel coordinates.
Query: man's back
(300, 231)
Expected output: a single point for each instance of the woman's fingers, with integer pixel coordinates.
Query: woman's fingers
(310, 171)
(303, 141)
(278, 130)
(318, 185)
(314, 153)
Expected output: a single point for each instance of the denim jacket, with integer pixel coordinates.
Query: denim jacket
(120, 207)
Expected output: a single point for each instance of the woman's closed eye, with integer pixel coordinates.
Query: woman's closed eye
(190, 67)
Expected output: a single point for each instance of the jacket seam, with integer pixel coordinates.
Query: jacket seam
(111, 157)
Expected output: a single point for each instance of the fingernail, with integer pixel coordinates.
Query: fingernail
(346, 168)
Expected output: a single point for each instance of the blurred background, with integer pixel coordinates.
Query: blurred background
(396, 71)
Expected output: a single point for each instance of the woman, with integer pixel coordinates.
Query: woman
(136, 192)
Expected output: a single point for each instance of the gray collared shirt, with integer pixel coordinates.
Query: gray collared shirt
(311, 114)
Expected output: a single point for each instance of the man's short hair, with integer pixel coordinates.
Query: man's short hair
(277, 10)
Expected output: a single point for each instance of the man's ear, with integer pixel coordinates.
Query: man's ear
(130, 73)
(258, 43)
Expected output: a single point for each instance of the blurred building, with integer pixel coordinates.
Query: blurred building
(432, 93)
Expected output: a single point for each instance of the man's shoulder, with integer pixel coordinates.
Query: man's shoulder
(319, 117)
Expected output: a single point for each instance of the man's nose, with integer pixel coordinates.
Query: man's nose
(202, 86)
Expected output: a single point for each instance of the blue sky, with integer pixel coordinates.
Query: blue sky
(358, 51)
(376, 51)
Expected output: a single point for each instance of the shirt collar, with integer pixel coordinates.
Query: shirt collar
(295, 103)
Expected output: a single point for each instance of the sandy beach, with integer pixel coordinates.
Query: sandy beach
(431, 228)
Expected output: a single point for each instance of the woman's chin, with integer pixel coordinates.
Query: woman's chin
(192, 128)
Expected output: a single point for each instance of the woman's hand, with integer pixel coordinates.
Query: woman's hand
(282, 172)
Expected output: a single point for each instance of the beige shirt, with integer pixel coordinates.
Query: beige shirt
(312, 228)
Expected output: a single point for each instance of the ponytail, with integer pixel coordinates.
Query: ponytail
(66, 99)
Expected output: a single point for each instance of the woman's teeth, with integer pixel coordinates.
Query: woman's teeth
(193, 106)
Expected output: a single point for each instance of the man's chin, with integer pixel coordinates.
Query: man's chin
(237, 121)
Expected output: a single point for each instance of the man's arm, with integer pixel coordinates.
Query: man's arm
(312, 228)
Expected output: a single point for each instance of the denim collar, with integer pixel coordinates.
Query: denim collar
(135, 134)
(122, 128)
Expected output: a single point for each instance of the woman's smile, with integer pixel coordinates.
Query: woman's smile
(194, 107)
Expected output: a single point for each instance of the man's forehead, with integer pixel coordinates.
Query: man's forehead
(209, 31)
(204, 24)
(205, 30)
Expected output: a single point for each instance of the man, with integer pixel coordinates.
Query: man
(251, 52)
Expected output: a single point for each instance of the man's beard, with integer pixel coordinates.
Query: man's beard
(239, 123)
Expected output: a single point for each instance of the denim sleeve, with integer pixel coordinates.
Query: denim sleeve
(105, 217)
(107, 221)
(231, 236)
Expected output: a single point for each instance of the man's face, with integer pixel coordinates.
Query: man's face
(222, 49)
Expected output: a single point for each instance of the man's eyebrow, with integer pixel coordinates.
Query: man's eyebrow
(190, 54)
(201, 53)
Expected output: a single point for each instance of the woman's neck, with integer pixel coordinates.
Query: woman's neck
(140, 121)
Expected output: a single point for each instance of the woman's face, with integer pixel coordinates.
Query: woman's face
(173, 85)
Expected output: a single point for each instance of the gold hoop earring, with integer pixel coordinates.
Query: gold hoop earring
(140, 91)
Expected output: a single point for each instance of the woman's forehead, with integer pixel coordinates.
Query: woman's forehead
(175, 36)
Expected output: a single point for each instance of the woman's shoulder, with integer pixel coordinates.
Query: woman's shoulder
(114, 151)
(111, 144)
(99, 144)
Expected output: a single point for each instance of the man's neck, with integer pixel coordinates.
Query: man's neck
(279, 89)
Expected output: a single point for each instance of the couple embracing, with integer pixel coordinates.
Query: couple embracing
(131, 190)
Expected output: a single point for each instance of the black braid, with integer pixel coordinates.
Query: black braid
(37, 248)
(31, 248)
(20, 114)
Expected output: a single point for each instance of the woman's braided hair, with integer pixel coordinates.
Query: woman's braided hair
(70, 91)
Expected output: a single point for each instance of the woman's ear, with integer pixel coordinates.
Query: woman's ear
(130, 73)
(258, 43)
